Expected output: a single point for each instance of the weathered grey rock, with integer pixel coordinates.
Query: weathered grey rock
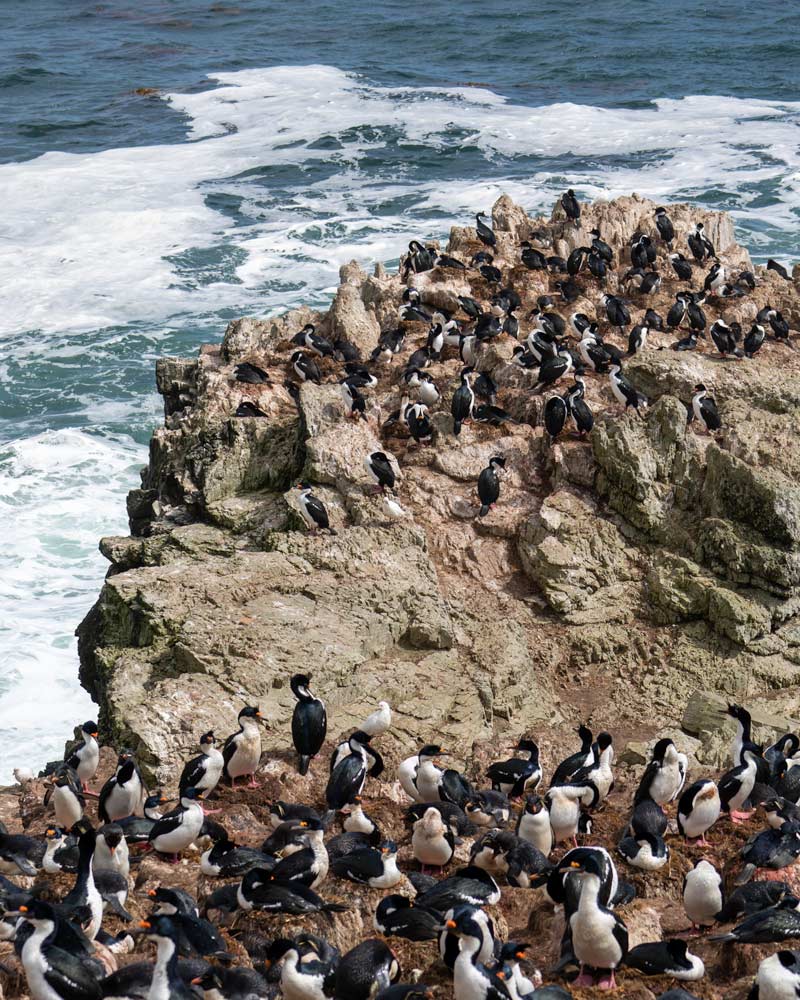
(578, 558)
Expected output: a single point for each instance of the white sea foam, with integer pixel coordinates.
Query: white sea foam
(91, 242)
(59, 491)
(84, 238)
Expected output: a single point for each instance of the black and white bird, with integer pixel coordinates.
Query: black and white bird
(754, 340)
(489, 484)
(313, 511)
(355, 405)
(365, 971)
(637, 339)
(348, 776)
(702, 248)
(84, 757)
(308, 865)
(204, 771)
(617, 312)
(623, 391)
(309, 721)
(725, 337)
(715, 279)
(553, 368)
(556, 411)
(736, 785)
(66, 796)
(180, 827)
(704, 409)
(643, 251)
(241, 751)
(260, 890)
(579, 409)
(517, 775)
(471, 977)
(599, 936)
(121, 795)
(702, 894)
(664, 775)
(532, 258)
(372, 866)
(227, 859)
(315, 342)
(305, 368)
(533, 824)
(397, 916)
(698, 810)
(677, 311)
(307, 966)
(664, 225)
(463, 401)
(647, 851)
(417, 419)
(777, 977)
(666, 958)
(681, 266)
(54, 972)
(380, 470)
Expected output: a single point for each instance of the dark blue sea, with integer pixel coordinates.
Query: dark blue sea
(166, 166)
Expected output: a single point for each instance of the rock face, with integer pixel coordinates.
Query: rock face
(617, 574)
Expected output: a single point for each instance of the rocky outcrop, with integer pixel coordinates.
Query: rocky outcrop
(617, 575)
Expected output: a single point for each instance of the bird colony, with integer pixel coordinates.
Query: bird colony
(477, 875)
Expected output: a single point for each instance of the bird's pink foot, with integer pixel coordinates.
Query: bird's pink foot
(253, 783)
(211, 812)
(584, 979)
(608, 982)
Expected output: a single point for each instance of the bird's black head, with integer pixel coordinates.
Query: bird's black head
(304, 486)
(534, 804)
(570, 192)
(124, 755)
(278, 950)
(90, 728)
(660, 749)
(54, 833)
(497, 460)
(112, 834)
(311, 823)
(36, 910)
(159, 927)
(388, 847)
(430, 750)
(590, 864)
(604, 741)
(660, 211)
(527, 745)
(250, 712)
(209, 981)
(156, 799)
(192, 794)
(360, 737)
(299, 681)
(699, 387)
(595, 232)
(208, 739)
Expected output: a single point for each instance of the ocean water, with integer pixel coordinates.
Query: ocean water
(270, 144)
